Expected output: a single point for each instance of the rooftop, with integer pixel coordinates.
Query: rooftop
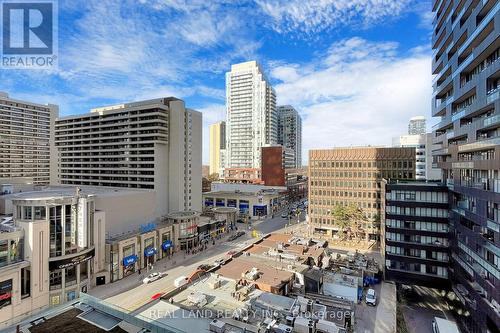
(183, 215)
(288, 247)
(250, 270)
(71, 321)
(415, 182)
(240, 193)
(54, 192)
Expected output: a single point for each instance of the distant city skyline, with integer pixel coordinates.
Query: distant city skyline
(316, 57)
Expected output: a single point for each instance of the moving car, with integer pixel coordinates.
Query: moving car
(152, 277)
(371, 297)
(440, 325)
(284, 215)
(180, 281)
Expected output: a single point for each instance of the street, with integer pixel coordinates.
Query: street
(131, 294)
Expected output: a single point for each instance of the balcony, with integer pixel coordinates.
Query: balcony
(492, 95)
(493, 120)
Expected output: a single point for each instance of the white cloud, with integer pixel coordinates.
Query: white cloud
(358, 98)
(314, 16)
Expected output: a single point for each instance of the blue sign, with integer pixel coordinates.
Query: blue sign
(147, 227)
(150, 251)
(166, 245)
(127, 261)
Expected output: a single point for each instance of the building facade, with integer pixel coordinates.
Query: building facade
(52, 250)
(217, 148)
(414, 237)
(417, 126)
(153, 144)
(466, 48)
(27, 140)
(276, 160)
(252, 204)
(252, 120)
(343, 176)
(425, 169)
(290, 132)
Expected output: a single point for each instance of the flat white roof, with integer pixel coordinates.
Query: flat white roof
(70, 190)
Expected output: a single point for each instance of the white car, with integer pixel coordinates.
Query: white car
(371, 297)
(218, 262)
(152, 277)
(180, 281)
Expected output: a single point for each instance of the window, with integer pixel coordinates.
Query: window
(40, 213)
(56, 279)
(27, 213)
(25, 282)
(5, 293)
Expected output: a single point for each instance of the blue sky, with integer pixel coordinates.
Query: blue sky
(357, 70)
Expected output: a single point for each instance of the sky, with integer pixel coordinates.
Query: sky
(356, 70)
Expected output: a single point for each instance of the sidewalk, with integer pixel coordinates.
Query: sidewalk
(386, 309)
(162, 265)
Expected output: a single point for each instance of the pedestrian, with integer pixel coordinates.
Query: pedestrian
(139, 271)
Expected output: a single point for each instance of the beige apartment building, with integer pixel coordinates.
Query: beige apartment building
(343, 176)
(217, 148)
(27, 140)
(153, 144)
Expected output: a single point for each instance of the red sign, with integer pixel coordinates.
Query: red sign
(5, 296)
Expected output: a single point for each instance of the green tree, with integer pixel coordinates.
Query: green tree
(341, 218)
(357, 219)
(349, 218)
(213, 177)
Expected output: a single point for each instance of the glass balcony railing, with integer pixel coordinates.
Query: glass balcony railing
(491, 120)
(493, 95)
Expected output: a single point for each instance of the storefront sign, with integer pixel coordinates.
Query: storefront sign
(69, 262)
(166, 245)
(5, 293)
(82, 222)
(144, 228)
(150, 251)
(127, 261)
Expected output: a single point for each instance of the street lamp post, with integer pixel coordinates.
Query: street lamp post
(328, 212)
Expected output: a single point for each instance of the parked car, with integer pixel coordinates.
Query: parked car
(152, 277)
(204, 267)
(231, 253)
(218, 262)
(371, 297)
(440, 325)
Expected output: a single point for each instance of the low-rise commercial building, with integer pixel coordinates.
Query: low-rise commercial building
(53, 247)
(255, 204)
(243, 175)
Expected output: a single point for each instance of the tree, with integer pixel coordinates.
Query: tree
(357, 219)
(349, 218)
(341, 218)
(213, 177)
